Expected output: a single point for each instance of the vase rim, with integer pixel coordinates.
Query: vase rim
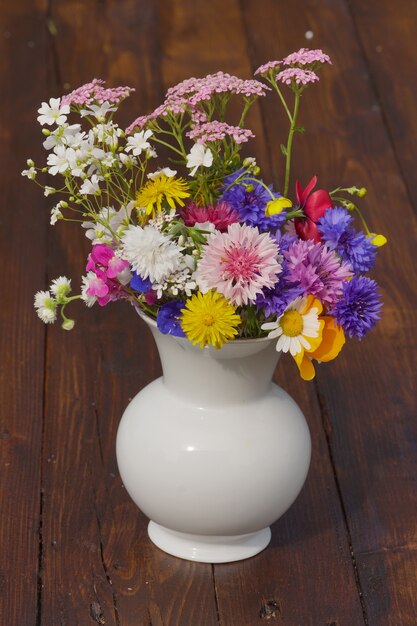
(245, 341)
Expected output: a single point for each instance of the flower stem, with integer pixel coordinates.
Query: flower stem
(289, 143)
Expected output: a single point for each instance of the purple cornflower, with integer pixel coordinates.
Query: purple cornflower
(296, 75)
(359, 307)
(95, 92)
(274, 301)
(249, 201)
(317, 270)
(140, 284)
(168, 319)
(354, 248)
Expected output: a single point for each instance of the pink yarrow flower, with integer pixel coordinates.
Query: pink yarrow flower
(95, 92)
(297, 75)
(239, 264)
(216, 131)
(305, 56)
(221, 215)
(267, 67)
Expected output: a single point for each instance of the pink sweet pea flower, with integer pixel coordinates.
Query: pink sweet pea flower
(314, 206)
(102, 255)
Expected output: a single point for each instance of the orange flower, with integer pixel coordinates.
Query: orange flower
(333, 339)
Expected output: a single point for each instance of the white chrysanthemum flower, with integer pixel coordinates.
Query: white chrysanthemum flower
(138, 142)
(91, 186)
(167, 171)
(53, 113)
(85, 297)
(198, 156)
(297, 326)
(151, 253)
(45, 307)
(60, 287)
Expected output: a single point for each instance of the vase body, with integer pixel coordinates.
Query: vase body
(213, 452)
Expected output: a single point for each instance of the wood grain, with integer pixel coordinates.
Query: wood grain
(23, 248)
(73, 546)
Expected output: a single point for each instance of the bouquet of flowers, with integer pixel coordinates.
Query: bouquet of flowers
(203, 245)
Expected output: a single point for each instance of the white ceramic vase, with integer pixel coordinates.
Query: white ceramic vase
(213, 452)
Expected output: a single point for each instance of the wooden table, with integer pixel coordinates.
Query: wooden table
(73, 547)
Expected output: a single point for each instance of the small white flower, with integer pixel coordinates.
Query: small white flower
(56, 214)
(49, 191)
(138, 142)
(151, 253)
(98, 111)
(30, 173)
(128, 160)
(45, 307)
(60, 287)
(109, 160)
(60, 159)
(91, 186)
(167, 171)
(198, 156)
(53, 113)
(64, 135)
(98, 232)
(89, 300)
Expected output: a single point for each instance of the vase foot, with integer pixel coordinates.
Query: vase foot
(208, 549)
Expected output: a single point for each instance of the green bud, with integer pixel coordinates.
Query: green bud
(30, 163)
(107, 176)
(46, 132)
(362, 192)
(78, 201)
(44, 170)
(68, 324)
(64, 204)
(249, 188)
(257, 170)
(350, 206)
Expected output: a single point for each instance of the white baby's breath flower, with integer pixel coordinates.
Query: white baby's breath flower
(60, 160)
(90, 187)
(89, 300)
(169, 173)
(138, 142)
(98, 111)
(198, 156)
(45, 307)
(30, 173)
(128, 160)
(56, 214)
(48, 191)
(99, 232)
(53, 113)
(151, 253)
(60, 287)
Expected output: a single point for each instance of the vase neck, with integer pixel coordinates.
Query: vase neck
(238, 372)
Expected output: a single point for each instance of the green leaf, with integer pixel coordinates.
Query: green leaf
(283, 149)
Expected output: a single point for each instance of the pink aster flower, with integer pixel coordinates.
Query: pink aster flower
(221, 215)
(317, 270)
(239, 264)
(297, 75)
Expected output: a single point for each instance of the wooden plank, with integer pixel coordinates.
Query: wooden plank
(310, 542)
(387, 34)
(99, 563)
(367, 393)
(23, 48)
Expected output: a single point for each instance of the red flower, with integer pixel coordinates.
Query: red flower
(314, 206)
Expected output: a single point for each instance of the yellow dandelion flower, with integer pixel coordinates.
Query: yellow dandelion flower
(162, 188)
(209, 319)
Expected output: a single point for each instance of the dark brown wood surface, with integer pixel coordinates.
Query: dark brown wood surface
(73, 546)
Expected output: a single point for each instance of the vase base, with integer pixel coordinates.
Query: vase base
(208, 549)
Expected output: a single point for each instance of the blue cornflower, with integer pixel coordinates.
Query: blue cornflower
(359, 307)
(140, 284)
(168, 318)
(274, 301)
(338, 234)
(250, 205)
(333, 225)
(358, 251)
